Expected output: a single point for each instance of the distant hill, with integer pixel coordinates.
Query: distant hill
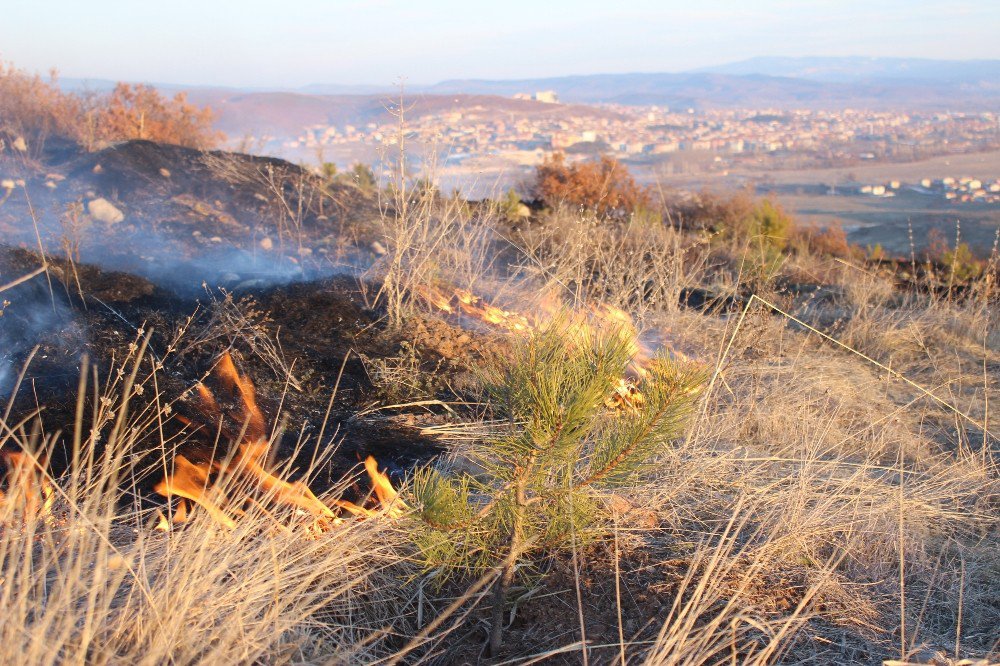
(858, 69)
(751, 89)
(287, 113)
(765, 82)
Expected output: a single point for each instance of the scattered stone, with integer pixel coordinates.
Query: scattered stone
(20, 145)
(205, 210)
(20, 182)
(103, 210)
(216, 239)
(50, 184)
(196, 233)
(523, 211)
(165, 172)
(7, 184)
(98, 169)
(305, 251)
(57, 177)
(378, 248)
(266, 243)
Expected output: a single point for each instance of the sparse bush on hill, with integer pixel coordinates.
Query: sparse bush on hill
(139, 111)
(959, 264)
(605, 186)
(710, 210)
(363, 176)
(34, 109)
(38, 110)
(828, 241)
(770, 225)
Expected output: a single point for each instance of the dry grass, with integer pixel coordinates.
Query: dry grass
(635, 265)
(824, 508)
(93, 581)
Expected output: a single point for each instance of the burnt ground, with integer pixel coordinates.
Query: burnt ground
(213, 252)
(186, 216)
(295, 342)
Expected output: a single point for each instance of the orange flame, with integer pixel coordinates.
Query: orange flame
(463, 300)
(387, 496)
(583, 327)
(249, 463)
(29, 492)
(192, 482)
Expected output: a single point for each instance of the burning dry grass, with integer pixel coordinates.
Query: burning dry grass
(100, 586)
(822, 509)
(869, 483)
(88, 574)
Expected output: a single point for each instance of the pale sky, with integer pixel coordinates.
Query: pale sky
(288, 43)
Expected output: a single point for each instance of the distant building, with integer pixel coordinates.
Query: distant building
(546, 96)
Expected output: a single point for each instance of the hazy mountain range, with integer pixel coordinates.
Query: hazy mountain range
(859, 69)
(811, 82)
(767, 82)
(806, 82)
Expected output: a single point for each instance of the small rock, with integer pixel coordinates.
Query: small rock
(98, 169)
(378, 248)
(102, 210)
(266, 243)
(164, 172)
(20, 145)
(57, 177)
(7, 184)
(523, 211)
(216, 239)
(50, 184)
(19, 182)
(305, 251)
(196, 233)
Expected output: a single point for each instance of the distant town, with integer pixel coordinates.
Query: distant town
(963, 189)
(649, 135)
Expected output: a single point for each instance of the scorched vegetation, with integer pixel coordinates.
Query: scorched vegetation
(253, 414)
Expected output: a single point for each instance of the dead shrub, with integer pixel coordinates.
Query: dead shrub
(37, 110)
(605, 187)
